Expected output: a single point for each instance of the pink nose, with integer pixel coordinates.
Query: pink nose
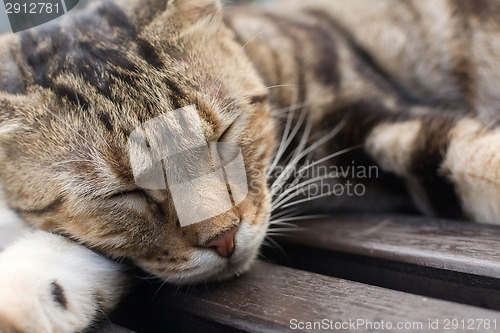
(224, 244)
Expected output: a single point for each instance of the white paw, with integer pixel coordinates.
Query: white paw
(51, 284)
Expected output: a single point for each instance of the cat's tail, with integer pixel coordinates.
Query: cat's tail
(450, 162)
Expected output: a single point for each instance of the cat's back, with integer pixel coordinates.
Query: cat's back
(432, 49)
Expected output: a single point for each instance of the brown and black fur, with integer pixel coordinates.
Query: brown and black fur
(82, 86)
(413, 86)
(339, 60)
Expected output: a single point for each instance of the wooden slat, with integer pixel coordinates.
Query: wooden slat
(449, 260)
(449, 245)
(269, 296)
(108, 327)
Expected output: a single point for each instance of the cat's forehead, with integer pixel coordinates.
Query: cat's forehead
(99, 59)
(101, 47)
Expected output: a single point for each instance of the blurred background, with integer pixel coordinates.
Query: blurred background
(5, 26)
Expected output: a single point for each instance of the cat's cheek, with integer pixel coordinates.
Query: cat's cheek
(248, 241)
(206, 265)
(177, 260)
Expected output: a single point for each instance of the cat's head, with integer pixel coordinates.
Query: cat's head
(81, 87)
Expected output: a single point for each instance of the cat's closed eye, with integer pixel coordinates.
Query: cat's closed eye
(138, 194)
(258, 99)
(134, 198)
(119, 82)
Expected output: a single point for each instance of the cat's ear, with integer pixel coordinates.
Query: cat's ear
(12, 107)
(171, 15)
(194, 11)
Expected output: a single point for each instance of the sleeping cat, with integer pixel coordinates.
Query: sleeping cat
(407, 86)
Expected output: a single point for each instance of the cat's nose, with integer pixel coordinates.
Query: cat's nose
(224, 244)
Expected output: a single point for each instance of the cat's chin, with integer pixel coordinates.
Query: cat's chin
(222, 272)
(210, 267)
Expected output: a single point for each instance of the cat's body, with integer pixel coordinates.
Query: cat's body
(409, 86)
(417, 86)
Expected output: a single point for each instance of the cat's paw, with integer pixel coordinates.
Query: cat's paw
(472, 163)
(51, 284)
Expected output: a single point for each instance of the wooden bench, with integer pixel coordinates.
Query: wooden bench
(348, 272)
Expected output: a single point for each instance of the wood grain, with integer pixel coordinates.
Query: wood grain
(445, 259)
(449, 245)
(107, 327)
(269, 296)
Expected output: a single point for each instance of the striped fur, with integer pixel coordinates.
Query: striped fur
(409, 86)
(85, 91)
(75, 91)
(400, 74)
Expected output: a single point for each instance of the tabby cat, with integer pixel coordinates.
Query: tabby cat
(408, 86)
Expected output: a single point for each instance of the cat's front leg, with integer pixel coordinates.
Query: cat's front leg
(51, 284)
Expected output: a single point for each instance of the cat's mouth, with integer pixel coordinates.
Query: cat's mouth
(206, 265)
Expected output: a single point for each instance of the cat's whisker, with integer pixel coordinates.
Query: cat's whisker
(284, 235)
(328, 157)
(277, 183)
(286, 110)
(177, 289)
(302, 142)
(300, 189)
(284, 213)
(286, 131)
(294, 132)
(227, 106)
(296, 185)
(284, 224)
(296, 179)
(319, 196)
(292, 107)
(275, 231)
(158, 290)
(146, 278)
(122, 258)
(282, 218)
(276, 86)
(305, 151)
(277, 234)
(300, 218)
(266, 243)
(100, 138)
(308, 166)
(295, 159)
(276, 245)
(295, 106)
(281, 116)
